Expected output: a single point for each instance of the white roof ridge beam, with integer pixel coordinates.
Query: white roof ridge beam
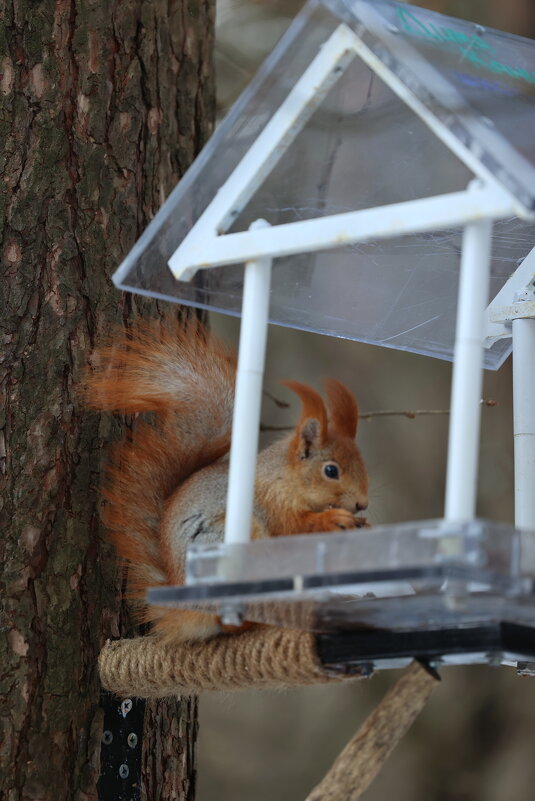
(453, 209)
(323, 72)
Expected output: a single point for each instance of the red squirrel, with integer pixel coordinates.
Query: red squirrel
(167, 481)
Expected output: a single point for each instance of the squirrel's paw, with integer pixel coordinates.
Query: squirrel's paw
(341, 518)
(331, 520)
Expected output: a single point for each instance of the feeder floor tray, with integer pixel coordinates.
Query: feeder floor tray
(455, 592)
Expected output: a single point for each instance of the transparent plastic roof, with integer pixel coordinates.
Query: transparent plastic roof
(364, 147)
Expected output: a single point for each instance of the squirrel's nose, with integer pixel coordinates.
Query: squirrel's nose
(362, 506)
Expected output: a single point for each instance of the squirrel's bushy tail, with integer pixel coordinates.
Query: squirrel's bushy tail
(183, 377)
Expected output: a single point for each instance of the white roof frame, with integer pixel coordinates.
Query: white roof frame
(207, 245)
(485, 199)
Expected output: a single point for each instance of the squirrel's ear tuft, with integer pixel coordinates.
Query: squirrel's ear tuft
(343, 408)
(311, 430)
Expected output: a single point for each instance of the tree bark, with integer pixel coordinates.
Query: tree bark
(104, 105)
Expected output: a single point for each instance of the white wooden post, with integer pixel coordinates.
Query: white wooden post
(463, 446)
(248, 397)
(524, 420)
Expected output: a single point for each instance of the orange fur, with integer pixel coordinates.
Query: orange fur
(166, 483)
(344, 411)
(165, 370)
(313, 406)
(312, 426)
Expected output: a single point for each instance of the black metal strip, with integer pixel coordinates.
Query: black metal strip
(366, 645)
(120, 751)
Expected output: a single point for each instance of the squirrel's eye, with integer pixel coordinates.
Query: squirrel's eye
(331, 471)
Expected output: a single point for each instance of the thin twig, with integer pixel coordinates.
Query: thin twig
(411, 414)
(417, 412)
(281, 404)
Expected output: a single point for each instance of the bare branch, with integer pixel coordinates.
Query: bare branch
(364, 755)
(411, 414)
(281, 404)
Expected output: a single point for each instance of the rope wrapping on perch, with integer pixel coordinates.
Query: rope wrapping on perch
(264, 658)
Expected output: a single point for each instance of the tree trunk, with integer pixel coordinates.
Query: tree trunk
(104, 105)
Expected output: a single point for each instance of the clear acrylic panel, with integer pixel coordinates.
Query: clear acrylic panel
(363, 147)
(414, 576)
(480, 82)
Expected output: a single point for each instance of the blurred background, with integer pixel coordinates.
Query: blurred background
(475, 741)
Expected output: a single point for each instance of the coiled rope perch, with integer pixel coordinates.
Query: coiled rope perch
(260, 658)
(268, 658)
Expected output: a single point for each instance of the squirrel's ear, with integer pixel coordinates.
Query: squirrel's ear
(343, 408)
(311, 430)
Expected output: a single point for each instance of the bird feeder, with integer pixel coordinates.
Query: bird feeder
(377, 180)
